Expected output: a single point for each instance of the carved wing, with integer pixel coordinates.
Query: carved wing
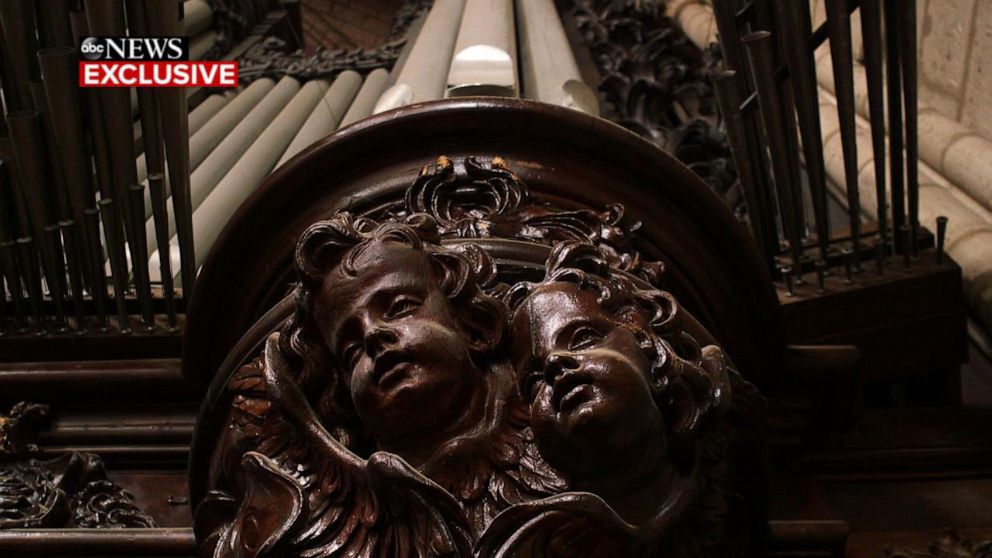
(345, 505)
(565, 525)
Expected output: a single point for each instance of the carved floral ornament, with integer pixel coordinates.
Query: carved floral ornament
(71, 490)
(417, 404)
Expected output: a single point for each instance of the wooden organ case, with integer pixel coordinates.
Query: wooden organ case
(142, 417)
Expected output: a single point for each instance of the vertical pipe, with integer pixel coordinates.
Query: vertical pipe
(17, 21)
(725, 14)
(941, 237)
(839, 29)
(59, 72)
(893, 67)
(795, 26)
(759, 45)
(156, 186)
(98, 289)
(55, 273)
(164, 20)
(118, 267)
(11, 273)
(29, 149)
(423, 76)
(54, 29)
(549, 72)
(136, 197)
(485, 56)
(727, 89)
(28, 257)
(907, 54)
(76, 264)
(871, 33)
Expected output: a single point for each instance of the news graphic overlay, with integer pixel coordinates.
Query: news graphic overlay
(149, 62)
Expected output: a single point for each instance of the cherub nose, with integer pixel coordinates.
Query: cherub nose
(556, 364)
(377, 339)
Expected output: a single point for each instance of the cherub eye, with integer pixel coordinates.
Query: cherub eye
(351, 353)
(402, 306)
(584, 337)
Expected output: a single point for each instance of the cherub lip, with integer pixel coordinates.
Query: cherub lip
(388, 365)
(568, 390)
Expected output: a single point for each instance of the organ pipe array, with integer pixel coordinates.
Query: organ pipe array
(111, 199)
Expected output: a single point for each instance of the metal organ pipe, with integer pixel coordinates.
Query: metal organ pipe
(425, 72)
(200, 116)
(550, 72)
(485, 60)
(233, 145)
(197, 17)
(365, 100)
(326, 115)
(251, 169)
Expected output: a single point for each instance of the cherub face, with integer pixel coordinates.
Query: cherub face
(584, 375)
(394, 333)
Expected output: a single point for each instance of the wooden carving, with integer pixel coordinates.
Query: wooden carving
(423, 401)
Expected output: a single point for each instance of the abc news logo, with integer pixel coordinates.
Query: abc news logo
(145, 49)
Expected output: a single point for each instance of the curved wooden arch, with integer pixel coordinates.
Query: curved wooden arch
(577, 161)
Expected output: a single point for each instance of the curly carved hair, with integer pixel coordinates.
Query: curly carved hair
(466, 274)
(687, 385)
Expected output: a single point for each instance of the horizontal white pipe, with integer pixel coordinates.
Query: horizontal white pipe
(366, 98)
(326, 114)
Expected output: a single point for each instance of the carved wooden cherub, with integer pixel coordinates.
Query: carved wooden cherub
(383, 407)
(642, 421)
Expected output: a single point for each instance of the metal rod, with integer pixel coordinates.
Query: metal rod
(17, 20)
(55, 273)
(795, 26)
(726, 85)
(725, 14)
(56, 192)
(59, 68)
(11, 273)
(880, 254)
(893, 69)
(118, 268)
(941, 237)
(76, 265)
(98, 288)
(156, 185)
(905, 232)
(839, 29)
(907, 54)
(871, 33)
(821, 276)
(29, 151)
(54, 29)
(28, 256)
(789, 286)
(848, 265)
(759, 45)
(139, 250)
(164, 20)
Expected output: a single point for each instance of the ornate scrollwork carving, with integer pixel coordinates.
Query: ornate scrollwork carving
(19, 427)
(71, 490)
(472, 198)
(271, 58)
(657, 84)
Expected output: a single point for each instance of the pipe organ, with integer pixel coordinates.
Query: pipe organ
(147, 235)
